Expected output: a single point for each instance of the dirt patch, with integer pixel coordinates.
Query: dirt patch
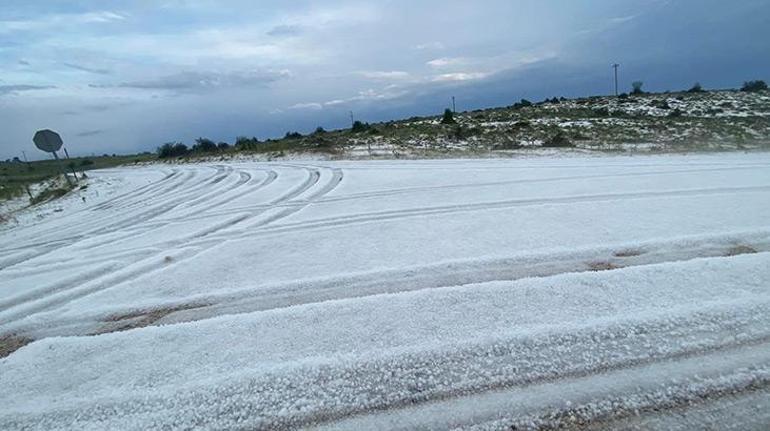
(740, 249)
(603, 266)
(630, 252)
(141, 318)
(12, 343)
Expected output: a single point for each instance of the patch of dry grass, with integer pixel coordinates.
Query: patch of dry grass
(602, 266)
(141, 318)
(740, 249)
(11, 343)
(631, 252)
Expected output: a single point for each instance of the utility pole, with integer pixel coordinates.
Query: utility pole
(454, 108)
(24, 153)
(616, 66)
(351, 119)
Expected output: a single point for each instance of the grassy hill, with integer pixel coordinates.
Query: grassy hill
(661, 122)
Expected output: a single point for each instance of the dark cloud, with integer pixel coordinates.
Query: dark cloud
(24, 62)
(196, 81)
(12, 89)
(90, 133)
(88, 69)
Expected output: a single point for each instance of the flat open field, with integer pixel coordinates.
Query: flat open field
(620, 292)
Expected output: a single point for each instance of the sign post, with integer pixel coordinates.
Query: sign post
(50, 142)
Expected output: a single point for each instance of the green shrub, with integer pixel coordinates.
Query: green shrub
(559, 140)
(754, 86)
(172, 149)
(524, 103)
(204, 145)
(448, 117)
(244, 143)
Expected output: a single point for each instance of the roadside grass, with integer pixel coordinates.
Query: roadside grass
(15, 176)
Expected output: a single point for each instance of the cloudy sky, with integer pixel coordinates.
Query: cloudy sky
(126, 76)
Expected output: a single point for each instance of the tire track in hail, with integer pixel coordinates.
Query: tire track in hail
(151, 263)
(112, 227)
(57, 230)
(144, 228)
(449, 209)
(452, 273)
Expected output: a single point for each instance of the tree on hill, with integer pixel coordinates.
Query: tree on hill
(359, 127)
(172, 149)
(753, 86)
(204, 145)
(636, 87)
(448, 117)
(696, 88)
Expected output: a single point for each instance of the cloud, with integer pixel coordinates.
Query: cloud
(310, 105)
(386, 75)
(429, 45)
(18, 88)
(88, 69)
(90, 133)
(388, 93)
(446, 61)
(285, 30)
(460, 76)
(56, 21)
(204, 80)
(621, 19)
(24, 62)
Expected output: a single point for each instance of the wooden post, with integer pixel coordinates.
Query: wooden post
(64, 172)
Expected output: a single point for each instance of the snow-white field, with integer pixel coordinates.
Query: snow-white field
(484, 294)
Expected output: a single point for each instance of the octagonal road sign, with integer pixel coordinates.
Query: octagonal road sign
(47, 140)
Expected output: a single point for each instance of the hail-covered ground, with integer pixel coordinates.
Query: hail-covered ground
(581, 292)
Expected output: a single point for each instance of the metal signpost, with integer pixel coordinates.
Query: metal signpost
(50, 142)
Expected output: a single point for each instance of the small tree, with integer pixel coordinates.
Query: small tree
(204, 145)
(636, 87)
(223, 146)
(359, 127)
(754, 86)
(696, 88)
(319, 131)
(172, 149)
(179, 149)
(448, 117)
